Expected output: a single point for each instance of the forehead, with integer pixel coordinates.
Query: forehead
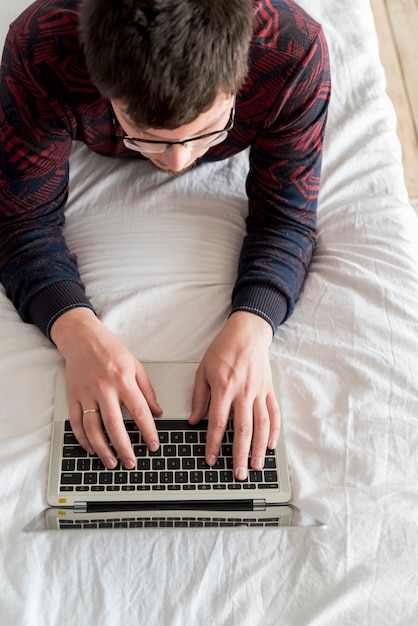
(204, 122)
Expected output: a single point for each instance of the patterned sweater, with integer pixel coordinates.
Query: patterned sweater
(47, 101)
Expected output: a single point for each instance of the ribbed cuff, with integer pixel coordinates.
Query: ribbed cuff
(52, 301)
(262, 300)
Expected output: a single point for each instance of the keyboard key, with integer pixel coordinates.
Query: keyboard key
(90, 478)
(69, 438)
(270, 476)
(166, 478)
(188, 463)
(169, 450)
(68, 465)
(176, 437)
(181, 477)
(135, 477)
(74, 452)
(199, 450)
(83, 465)
(121, 478)
(211, 476)
(97, 465)
(173, 464)
(270, 462)
(72, 478)
(196, 477)
(106, 478)
(226, 450)
(158, 464)
(134, 437)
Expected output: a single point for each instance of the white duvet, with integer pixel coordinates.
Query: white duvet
(158, 256)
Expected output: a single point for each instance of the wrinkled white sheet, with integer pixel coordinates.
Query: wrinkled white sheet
(158, 256)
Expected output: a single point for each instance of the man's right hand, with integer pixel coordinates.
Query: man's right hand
(102, 374)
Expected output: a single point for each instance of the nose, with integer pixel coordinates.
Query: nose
(176, 158)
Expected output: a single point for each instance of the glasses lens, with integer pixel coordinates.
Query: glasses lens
(139, 146)
(209, 141)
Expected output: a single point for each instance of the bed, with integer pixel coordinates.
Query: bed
(348, 376)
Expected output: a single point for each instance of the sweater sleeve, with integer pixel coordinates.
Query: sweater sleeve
(283, 184)
(37, 270)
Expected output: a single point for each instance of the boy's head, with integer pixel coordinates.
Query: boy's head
(167, 61)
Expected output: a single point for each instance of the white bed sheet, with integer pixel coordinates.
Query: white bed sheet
(348, 363)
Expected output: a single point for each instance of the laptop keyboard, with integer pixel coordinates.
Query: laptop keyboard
(178, 465)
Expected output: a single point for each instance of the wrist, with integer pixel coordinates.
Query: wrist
(75, 322)
(253, 325)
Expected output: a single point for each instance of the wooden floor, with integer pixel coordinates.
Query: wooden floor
(397, 29)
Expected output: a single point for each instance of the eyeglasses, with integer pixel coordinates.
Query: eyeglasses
(202, 142)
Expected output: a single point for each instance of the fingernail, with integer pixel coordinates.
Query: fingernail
(211, 460)
(241, 473)
(110, 463)
(258, 463)
(129, 463)
(153, 446)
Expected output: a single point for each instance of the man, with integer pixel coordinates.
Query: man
(180, 83)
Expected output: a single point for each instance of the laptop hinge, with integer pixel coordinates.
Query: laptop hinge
(248, 505)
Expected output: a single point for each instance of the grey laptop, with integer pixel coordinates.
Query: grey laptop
(172, 488)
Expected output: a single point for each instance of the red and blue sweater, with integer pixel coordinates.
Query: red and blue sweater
(47, 101)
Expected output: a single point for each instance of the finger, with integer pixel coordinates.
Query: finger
(243, 431)
(261, 434)
(200, 398)
(147, 389)
(113, 422)
(76, 421)
(143, 418)
(273, 408)
(219, 411)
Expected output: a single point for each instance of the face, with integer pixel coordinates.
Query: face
(177, 159)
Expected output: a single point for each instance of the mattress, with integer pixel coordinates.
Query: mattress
(158, 256)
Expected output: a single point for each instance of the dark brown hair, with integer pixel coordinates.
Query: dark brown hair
(166, 60)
